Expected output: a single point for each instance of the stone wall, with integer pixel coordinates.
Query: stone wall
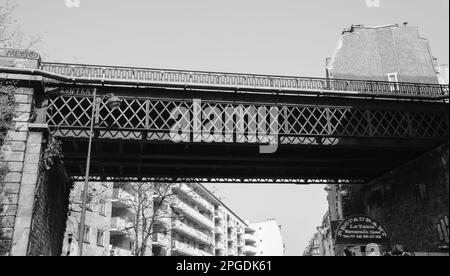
(410, 200)
(21, 152)
(33, 203)
(50, 211)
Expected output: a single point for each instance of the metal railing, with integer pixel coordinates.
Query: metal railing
(194, 233)
(243, 81)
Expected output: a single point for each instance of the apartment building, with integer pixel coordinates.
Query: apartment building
(251, 247)
(188, 221)
(121, 241)
(394, 53)
(193, 232)
(98, 221)
(313, 248)
(265, 238)
(443, 74)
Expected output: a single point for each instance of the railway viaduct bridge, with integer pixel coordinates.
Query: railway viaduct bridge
(192, 126)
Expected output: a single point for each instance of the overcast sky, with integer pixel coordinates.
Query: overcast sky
(283, 37)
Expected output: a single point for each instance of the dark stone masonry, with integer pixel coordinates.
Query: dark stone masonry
(411, 200)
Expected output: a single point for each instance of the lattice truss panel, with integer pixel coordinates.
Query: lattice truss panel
(219, 180)
(187, 121)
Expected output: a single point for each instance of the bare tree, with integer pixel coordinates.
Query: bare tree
(150, 212)
(11, 35)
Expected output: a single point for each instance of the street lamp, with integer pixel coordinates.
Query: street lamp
(112, 103)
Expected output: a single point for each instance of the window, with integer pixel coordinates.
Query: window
(393, 77)
(100, 238)
(89, 205)
(102, 209)
(442, 228)
(87, 233)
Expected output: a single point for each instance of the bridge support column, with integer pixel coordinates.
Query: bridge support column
(34, 200)
(21, 153)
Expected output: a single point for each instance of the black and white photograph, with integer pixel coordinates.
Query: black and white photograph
(224, 134)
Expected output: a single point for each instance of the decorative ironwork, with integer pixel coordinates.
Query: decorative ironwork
(154, 118)
(243, 81)
(219, 180)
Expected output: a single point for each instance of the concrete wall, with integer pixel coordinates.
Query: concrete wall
(372, 53)
(410, 200)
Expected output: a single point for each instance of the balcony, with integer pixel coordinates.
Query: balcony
(249, 230)
(188, 191)
(192, 232)
(120, 226)
(219, 221)
(219, 230)
(119, 252)
(249, 238)
(195, 215)
(121, 199)
(189, 250)
(241, 243)
(160, 239)
(219, 215)
(220, 245)
(250, 250)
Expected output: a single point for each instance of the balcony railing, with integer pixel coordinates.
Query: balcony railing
(189, 250)
(194, 233)
(219, 215)
(219, 230)
(195, 196)
(161, 239)
(195, 214)
(250, 238)
(119, 252)
(122, 198)
(290, 84)
(120, 225)
(250, 250)
(220, 245)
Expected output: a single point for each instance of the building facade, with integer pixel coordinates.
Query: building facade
(412, 200)
(313, 248)
(188, 221)
(98, 221)
(268, 238)
(443, 74)
(394, 53)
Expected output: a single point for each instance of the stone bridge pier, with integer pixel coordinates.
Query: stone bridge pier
(33, 199)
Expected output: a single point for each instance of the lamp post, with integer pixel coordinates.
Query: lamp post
(113, 103)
